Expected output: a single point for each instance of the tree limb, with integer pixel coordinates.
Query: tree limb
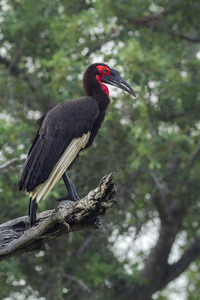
(194, 157)
(188, 38)
(82, 284)
(7, 163)
(182, 264)
(16, 238)
(164, 207)
(155, 266)
(143, 20)
(150, 278)
(16, 71)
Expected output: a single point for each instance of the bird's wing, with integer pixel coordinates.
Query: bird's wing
(65, 131)
(61, 166)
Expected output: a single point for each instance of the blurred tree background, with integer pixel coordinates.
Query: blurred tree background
(151, 142)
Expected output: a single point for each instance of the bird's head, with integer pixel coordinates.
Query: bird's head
(99, 73)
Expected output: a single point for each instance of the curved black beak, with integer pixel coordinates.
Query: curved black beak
(115, 79)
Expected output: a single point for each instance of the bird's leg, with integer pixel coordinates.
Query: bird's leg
(72, 194)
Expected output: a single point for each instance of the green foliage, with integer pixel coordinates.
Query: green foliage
(45, 48)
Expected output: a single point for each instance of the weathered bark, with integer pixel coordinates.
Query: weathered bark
(16, 237)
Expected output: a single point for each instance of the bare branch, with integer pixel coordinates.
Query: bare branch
(171, 214)
(13, 70)
(17, 238)
(173, 271)
(8, 163)
(16, 56)
(85, 244)
(188, 38)
(152, 18)
(156, 264)
(16, 71)
(82, 284)
(160, 186)
(194, 157)
(166, 209)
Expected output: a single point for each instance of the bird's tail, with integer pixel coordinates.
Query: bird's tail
(32, 210)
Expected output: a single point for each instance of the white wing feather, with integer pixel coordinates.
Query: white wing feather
(64, 162)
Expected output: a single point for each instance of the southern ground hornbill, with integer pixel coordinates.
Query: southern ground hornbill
(65, 130)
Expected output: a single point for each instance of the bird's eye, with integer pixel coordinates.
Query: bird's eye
(104, 71)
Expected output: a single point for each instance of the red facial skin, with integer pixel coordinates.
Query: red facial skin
(102, 70)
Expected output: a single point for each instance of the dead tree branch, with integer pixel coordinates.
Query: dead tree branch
(145, 20)
(188, 38)
(8, 163)
(189, 256)
(16, 238)
(194, 157)
(15, 71)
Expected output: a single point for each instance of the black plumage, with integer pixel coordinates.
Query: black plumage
(64, 131)
(61, 124)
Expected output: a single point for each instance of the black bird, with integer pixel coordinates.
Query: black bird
(64, 131)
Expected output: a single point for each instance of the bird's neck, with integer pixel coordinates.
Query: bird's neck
(95, 90)
(102, 99)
